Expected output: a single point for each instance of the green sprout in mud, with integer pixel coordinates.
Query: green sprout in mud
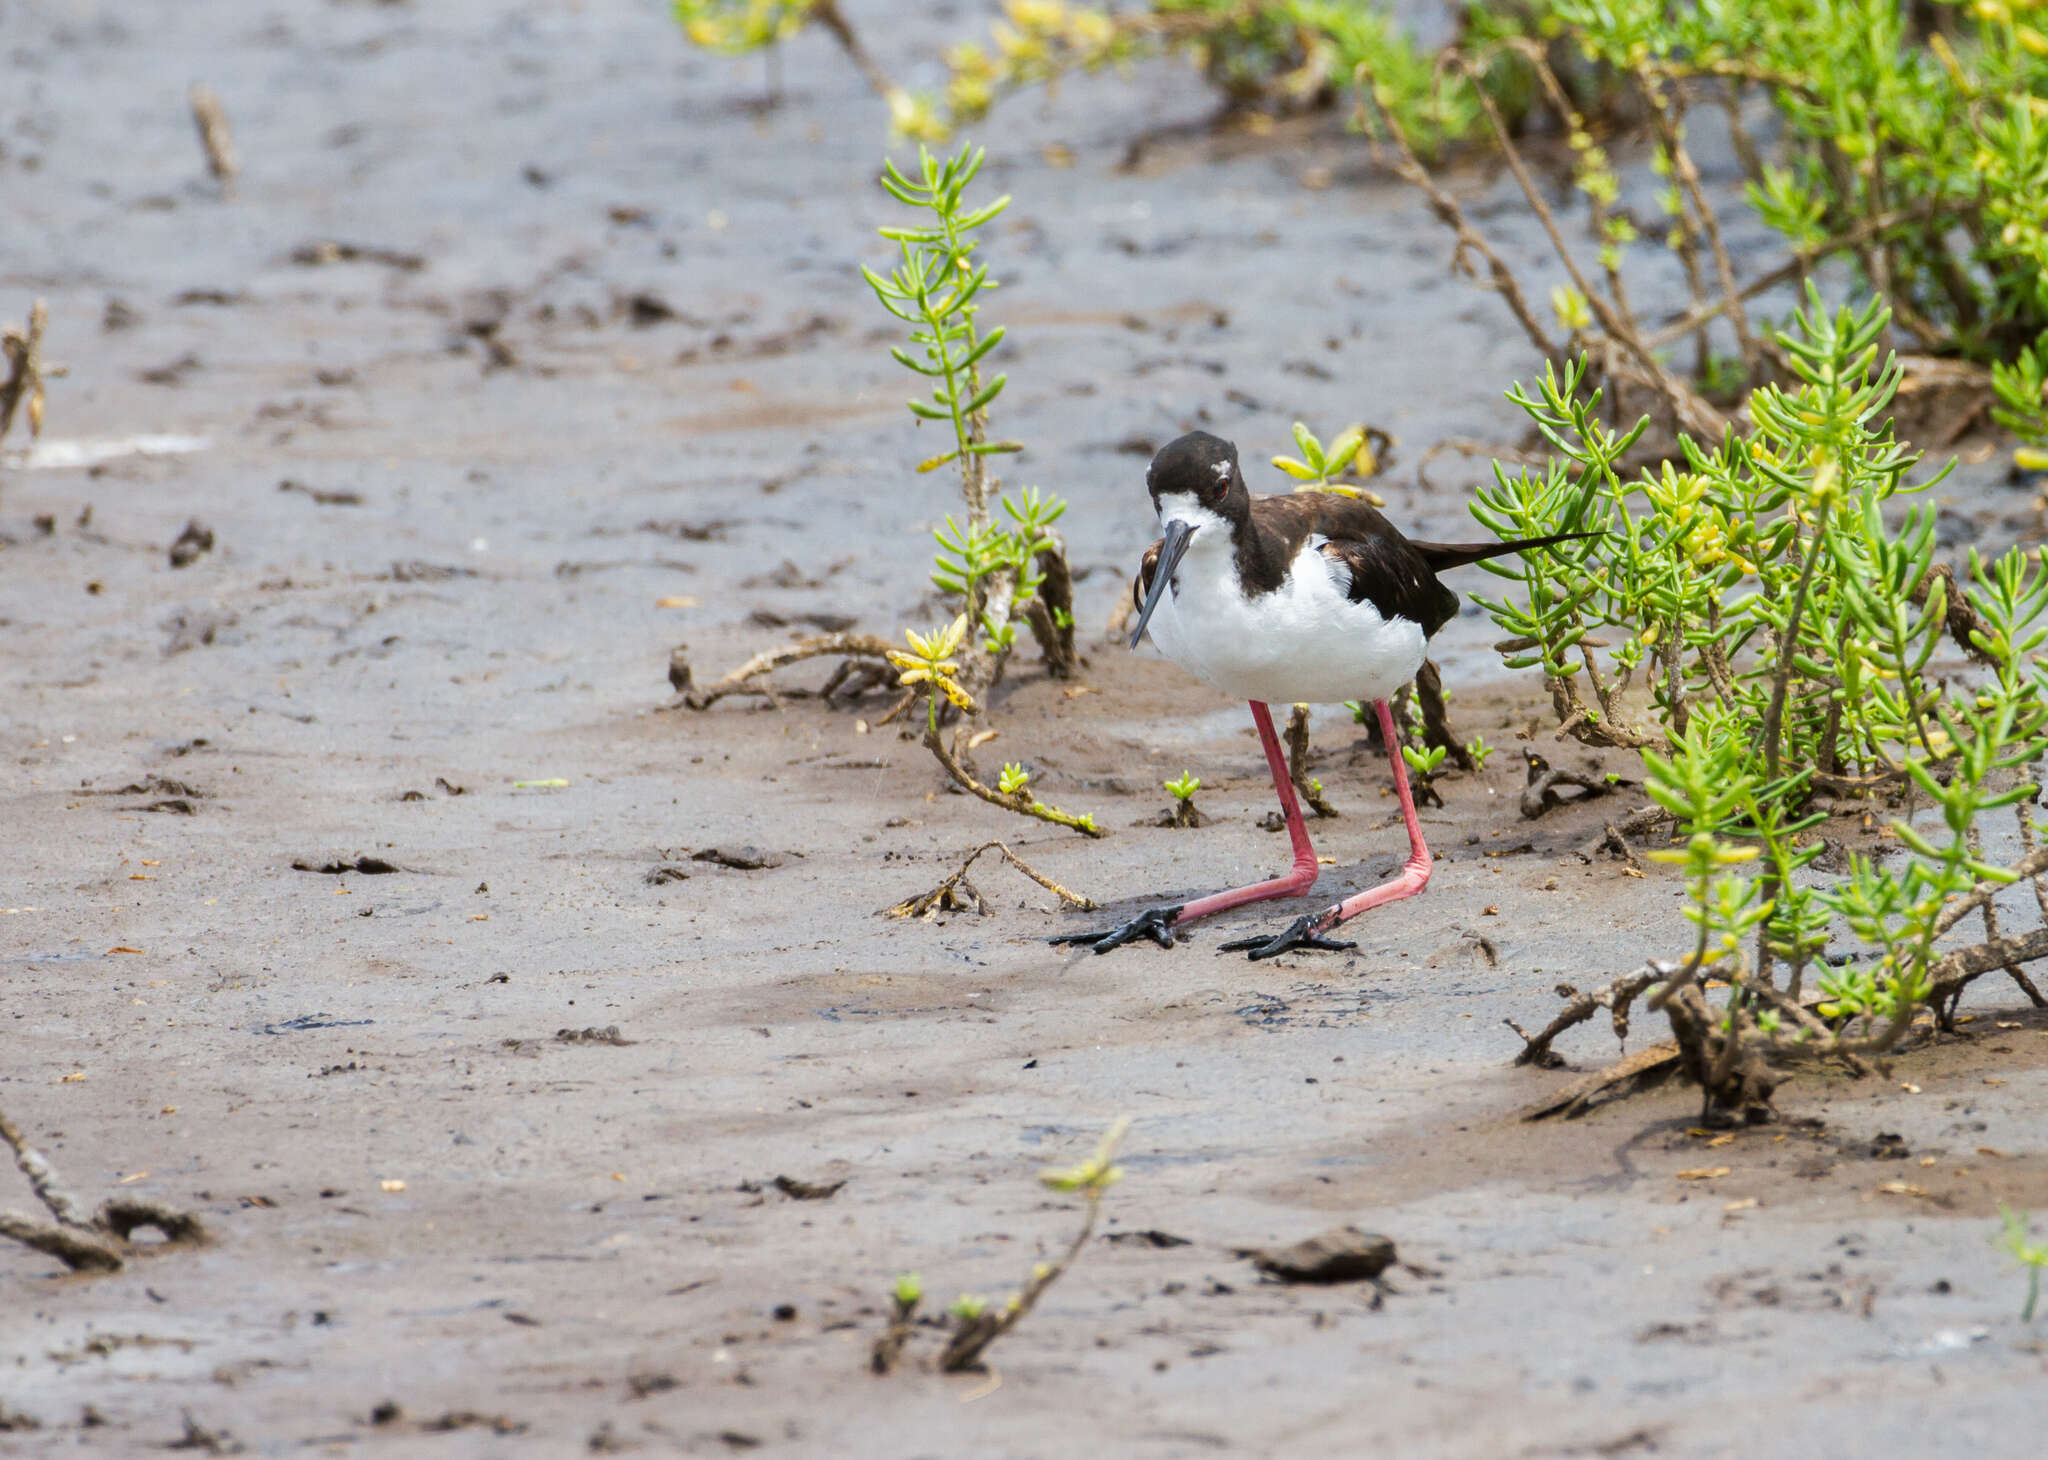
(1318, 468)
(2017, 1239)
(1479, 750)
(1092, 1178)
(1423, 762)
(1097, 1174)
(1013, 779)
(1184, 815)
(977, 1320)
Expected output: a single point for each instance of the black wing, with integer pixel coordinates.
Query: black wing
(1370, 557)
(1390, 574)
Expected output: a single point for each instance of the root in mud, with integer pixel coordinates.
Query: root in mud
(96, 1243)
(752, 676)
(1542, 793)
(1305, 785)
(1741, 1053)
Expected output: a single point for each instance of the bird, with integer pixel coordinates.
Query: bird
(1279, 599)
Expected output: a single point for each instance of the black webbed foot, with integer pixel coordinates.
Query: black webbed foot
(1155, 923)
(1300, 934)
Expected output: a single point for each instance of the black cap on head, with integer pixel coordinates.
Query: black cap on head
(1198, 464)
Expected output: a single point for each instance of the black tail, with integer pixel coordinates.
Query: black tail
(1442, 555)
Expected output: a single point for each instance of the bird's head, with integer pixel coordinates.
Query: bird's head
(1199, 493)
(1196, 480)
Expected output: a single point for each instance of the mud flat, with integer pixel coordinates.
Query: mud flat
(358, 892)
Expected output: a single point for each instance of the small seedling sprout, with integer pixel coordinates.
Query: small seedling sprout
(2017, 1238)
(1318, 468)
(977, 1321)
(1423, 761)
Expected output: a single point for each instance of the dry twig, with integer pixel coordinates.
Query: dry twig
(1411, 170)
(216, 137)
(23, 351)
(957, 894)
(1691, 410)
(741, 680)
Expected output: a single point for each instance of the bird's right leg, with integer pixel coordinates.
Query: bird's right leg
(1159, 923)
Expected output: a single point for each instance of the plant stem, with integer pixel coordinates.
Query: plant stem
(829, 16)
(1023, 805)
(1692, 412)
(1446, 208)
(1689, 177)
(1787, 648)
(976, 1334)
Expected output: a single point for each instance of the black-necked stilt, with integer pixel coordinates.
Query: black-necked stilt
(1298, 597)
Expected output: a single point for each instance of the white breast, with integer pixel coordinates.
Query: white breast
(1305, 641)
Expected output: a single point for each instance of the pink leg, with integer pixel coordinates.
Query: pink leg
(1158, 923)
(1308, 931)
(1302, 876)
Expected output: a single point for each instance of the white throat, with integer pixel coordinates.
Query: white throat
(1212, 529)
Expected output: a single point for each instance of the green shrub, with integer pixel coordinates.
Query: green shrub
(1752, 625)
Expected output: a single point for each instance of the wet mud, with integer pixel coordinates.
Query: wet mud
(342, 766)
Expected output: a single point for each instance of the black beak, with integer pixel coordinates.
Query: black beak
(1170, 552)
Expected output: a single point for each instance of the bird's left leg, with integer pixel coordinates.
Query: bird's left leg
(1308, 931)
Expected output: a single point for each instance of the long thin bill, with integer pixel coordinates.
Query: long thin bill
(1170, 551)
